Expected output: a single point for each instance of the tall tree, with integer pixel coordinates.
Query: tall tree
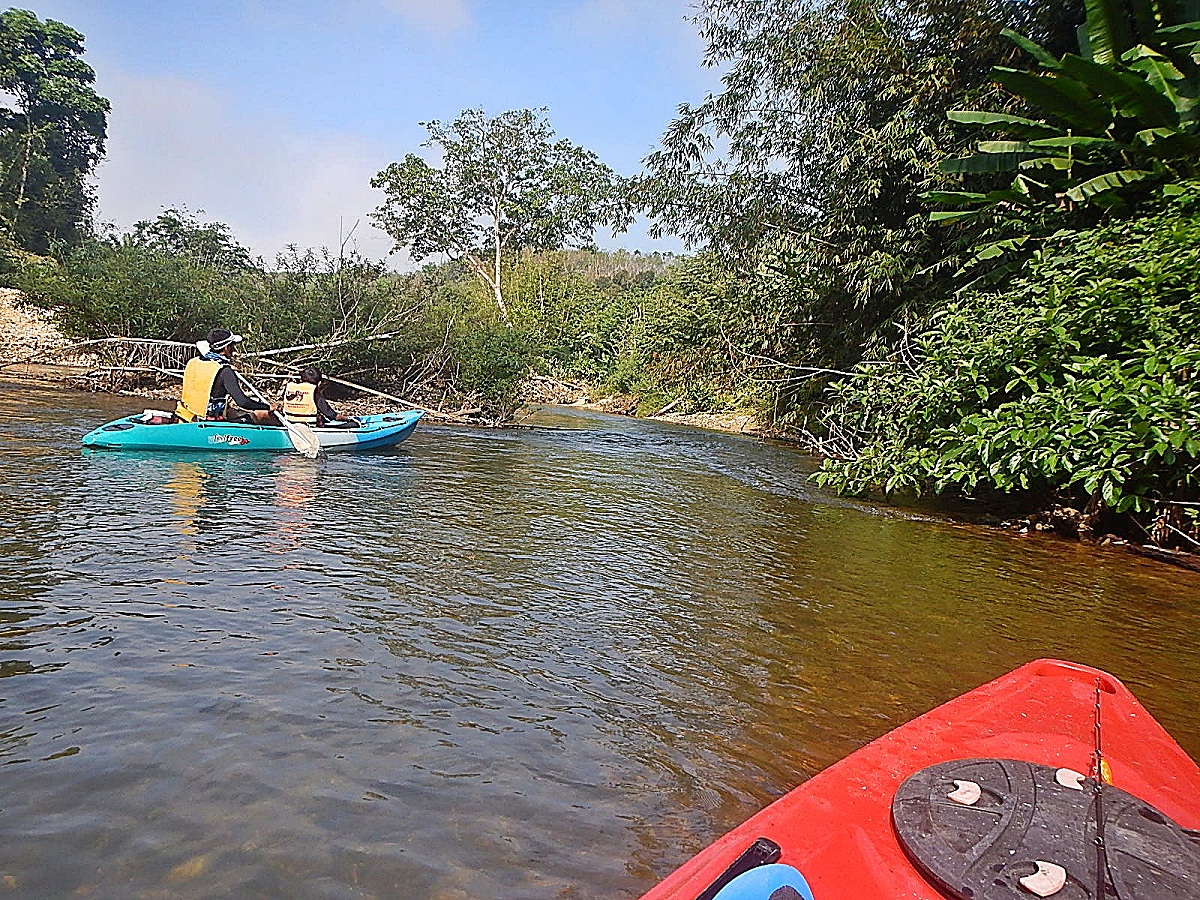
(826, 130)
(52, 136)
(504, 185)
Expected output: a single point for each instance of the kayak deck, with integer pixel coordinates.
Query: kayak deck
(132, 433)
(836, 828)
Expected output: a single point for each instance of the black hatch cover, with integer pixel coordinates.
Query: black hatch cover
(990, 829)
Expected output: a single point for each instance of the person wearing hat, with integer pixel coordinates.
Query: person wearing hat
(210, 383)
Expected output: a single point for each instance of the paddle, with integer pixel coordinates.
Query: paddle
(303, 438)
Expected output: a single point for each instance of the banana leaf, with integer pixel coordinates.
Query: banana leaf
(1131, 95)
(994, 250)
(1079, 142)
(1004, 147)
(953, 216)
(1169, 143)
(958, 197)
(1060, 96)
(982, 162)
(1188, 31)
(1141, 51)
(1162, 75)
(1107, 30)
(1015, 194)
(1034, 49)
(1095, 188)
(1058, 163)
(999, 248)
(1028, 128)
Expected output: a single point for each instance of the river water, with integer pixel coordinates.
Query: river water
(547, 663)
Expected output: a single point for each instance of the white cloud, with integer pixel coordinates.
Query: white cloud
(440, 16)
(173, 142)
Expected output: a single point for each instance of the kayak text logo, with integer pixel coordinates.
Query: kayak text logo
(227, 439)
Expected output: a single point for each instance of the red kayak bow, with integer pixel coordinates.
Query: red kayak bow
(861, 829)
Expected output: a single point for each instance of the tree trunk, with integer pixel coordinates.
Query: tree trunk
(20, 201)
(500, 303)
(497, 271)
(490, 277)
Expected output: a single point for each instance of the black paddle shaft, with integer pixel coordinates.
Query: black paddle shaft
(762, 852)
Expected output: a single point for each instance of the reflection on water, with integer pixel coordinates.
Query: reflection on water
(528, 664)
(186, 490)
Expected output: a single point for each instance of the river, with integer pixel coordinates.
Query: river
(545, 663)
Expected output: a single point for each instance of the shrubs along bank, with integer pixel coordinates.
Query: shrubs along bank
(662, 331)
(1078, 381)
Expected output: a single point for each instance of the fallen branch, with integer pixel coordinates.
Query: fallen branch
(535, 376)
(174, 373)
(449, 417)
(670, 406)
(320, 346)
(77, 348)
(1186, 537)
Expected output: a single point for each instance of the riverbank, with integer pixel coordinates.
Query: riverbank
(28, 334)
(26, 331)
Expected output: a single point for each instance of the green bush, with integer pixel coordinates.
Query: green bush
(117, 287)
(693, 335)
(493, 361)
(1082, 377)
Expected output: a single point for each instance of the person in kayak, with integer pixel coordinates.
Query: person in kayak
(210, 382)
(304, 402)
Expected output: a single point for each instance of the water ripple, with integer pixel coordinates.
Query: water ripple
(518, 664)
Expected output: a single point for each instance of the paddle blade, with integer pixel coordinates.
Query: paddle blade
(304, 439)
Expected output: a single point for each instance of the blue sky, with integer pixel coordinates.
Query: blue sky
(272, 116)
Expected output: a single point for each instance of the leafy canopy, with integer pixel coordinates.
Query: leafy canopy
(831, 113)
(1107, 128)
(504, 184)
(53, 133)
(809, 162)
(178, 232)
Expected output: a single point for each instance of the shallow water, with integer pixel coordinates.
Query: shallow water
(545, 663)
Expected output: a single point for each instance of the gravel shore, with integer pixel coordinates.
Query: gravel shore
(26, 331)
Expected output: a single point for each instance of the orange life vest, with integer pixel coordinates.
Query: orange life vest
(300, 403)
(198, 377)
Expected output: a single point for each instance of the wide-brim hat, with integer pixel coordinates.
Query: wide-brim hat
(220, 338)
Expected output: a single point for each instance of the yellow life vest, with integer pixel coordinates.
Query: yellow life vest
(198, 377)
(300, 403)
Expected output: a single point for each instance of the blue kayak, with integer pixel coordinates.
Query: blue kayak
(139, 433)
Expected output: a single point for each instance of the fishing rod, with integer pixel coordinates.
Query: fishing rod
(1098, 794)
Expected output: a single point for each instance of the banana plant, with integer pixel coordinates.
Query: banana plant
(1118, 121)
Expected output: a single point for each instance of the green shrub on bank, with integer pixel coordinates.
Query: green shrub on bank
(117, 287)
(699, 337)
(1083, 377)
(679, 330)
(577, 319)
(493, 361)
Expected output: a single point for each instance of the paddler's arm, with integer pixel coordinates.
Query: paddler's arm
(229, 382)
(328, 413)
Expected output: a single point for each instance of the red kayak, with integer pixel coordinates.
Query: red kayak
(991, 795)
